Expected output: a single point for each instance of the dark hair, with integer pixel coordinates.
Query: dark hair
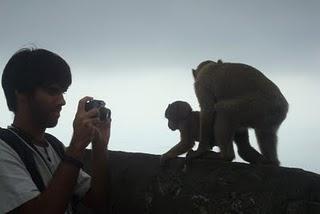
(31, 68)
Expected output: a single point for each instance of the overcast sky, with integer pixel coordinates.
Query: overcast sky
(138, 55)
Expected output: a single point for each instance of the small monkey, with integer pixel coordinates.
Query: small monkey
(238, 96)
(180, 116)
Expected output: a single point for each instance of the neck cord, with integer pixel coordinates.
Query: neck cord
(46, 151)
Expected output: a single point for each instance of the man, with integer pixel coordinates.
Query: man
(34, 81)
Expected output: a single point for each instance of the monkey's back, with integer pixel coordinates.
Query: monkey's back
(232, 80)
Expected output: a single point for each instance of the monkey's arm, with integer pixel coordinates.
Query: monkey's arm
(180, 148)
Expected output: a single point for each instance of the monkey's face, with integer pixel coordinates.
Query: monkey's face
(173, 125)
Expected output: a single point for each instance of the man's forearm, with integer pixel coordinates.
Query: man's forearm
(99, 180)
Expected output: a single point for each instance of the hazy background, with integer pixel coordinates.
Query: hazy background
(138, 55)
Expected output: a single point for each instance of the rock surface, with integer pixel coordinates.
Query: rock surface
(139, 185)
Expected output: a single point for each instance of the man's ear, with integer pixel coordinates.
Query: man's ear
(21, 97)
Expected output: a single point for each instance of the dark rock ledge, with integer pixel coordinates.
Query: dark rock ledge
(138, 185)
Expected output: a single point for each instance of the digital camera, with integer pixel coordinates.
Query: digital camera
(104, 112)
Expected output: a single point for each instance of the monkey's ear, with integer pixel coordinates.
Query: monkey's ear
(194, 73)
(219, 61)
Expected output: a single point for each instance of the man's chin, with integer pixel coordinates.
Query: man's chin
(51, 124)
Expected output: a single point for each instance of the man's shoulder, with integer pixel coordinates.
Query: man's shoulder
(7, 135)
(8, 138)
(11, 146)
(7, 153)
(3, 141)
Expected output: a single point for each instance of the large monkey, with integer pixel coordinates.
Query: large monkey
(180, 116)
(238, 96)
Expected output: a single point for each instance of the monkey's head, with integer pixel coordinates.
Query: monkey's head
(202, 64)
(176, 113)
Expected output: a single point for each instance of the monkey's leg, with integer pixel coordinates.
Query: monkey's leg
(207, 101)
(206, 129)
(224, 131)
(267, 140)
(245, 150)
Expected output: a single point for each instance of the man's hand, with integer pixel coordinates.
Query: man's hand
(102, 132)
(84, 127)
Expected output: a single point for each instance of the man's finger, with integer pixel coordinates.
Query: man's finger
(92, 113)
(83, 102)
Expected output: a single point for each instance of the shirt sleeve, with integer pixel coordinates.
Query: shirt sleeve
(16, 185)
(83, 184)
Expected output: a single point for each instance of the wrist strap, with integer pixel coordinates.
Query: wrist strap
(73, 161)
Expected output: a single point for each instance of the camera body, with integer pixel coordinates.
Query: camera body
(104, 112)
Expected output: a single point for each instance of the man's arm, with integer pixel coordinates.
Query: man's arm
(58, 193)
(96, 197)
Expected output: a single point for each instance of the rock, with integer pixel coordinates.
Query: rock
(138, 184)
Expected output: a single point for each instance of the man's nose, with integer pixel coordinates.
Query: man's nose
(62, 101)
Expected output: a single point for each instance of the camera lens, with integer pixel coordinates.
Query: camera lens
(105, 113)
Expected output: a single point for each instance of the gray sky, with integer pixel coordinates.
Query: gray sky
(138, 56)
